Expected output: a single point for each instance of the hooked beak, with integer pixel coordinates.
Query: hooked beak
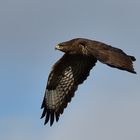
(57, 47)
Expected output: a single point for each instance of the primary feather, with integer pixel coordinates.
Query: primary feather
(74, 67)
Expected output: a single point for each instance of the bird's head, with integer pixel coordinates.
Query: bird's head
(74, 46)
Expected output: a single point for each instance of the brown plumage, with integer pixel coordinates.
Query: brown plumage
(74, 67)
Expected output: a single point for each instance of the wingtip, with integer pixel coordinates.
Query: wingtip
(51, 118)
(57, 117)
(43, 114)
(135, 72)
(132, 71)
(132, 58)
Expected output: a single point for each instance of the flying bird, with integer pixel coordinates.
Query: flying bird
(73, 68)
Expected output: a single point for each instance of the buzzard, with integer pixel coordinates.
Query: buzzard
(74, 67)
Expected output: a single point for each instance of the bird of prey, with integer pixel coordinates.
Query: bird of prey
(74, 67)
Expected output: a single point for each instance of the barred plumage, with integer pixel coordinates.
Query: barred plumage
(73, 68)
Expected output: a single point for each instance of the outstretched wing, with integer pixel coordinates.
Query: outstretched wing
(66, 75)
(111, 56)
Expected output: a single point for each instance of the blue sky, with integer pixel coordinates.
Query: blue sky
(105, 107)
